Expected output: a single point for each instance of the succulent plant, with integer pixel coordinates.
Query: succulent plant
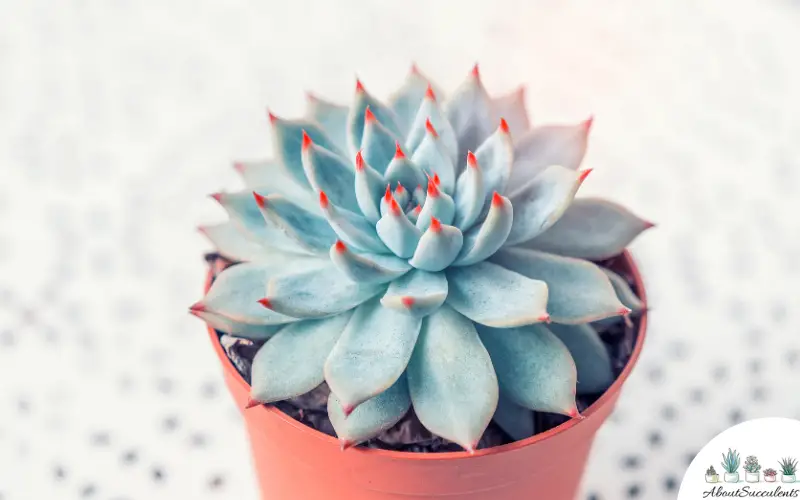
(711, 471)
(426, 255)
(731, 461)
(788, 466)
(770, 472)
(751, 464)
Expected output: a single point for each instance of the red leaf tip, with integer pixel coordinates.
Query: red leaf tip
(544, 318)
(395, 207)
(471, 160)
(623, 311)
(436, 180)
(414, 69)
(503, 125)
(398, 151)
(430, 129)
(359, 86)
(348, 409)
(583, 174)
(388, 195)
(272, 116)
(197, 307)
(323, 199)
(476, 72)
(260, 200)
(346, 445)
(239, 167)
(648, 224)
(433, 189)
(216, 197)
(418, 209)
(436, 226)
(400, 189)
(429, 94)
(252, 403)
(574, 413)
(307, 142)
(359, 162)
(265, 302)
(340, 246)
(369, 116)
(497, 200)
(587, 124)
(408, 302)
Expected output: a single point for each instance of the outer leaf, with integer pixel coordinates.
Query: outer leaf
(437, 205)
(379, 144)
(515, 420)
(469, 112)
(438, 247)
(371, 354)
(291, 363)
(494, 296)
(563, 145)
(397, 232)
(624, 292)
(431, 157)
(542, 201)
(495, 156)
(233, 244)
(316, 293)
(482, 242)
(236, 328)
(368, 189)
(331, 117)
(406, 101)
(331, 173)
(372, 417)
(451, 379)
(404, 171)
(418, 293)
(287, 138)
(591, 229)
(590, 356)
(356, 122)
(352, 228)
(533, 367)
(368, 267)
(511, 107)
(430, 112)
(469, 198)
(310, 231)
(579, 291)
(271, 177)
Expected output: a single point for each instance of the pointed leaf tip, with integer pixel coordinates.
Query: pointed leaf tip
(497, 200)
(471, 160)
(359, 162)
(395, 207)
(348, 409)
(429, 94)
(369, 116)
(197, 307)
(388, 195)
(359, 86)
(418, 209)
(398, 151)
(265, 302)
(408, 302)
(340, 246)
(583, 174)
(476, 72)
(216, 197)
(323, 199)
(544, 318)
(251, 403)
(307, 142)
(574, 413)
(435, 226)
(272, 116)
(430, 129)
(433, 189)
(400, 189)
(503, 125)
(239, 167)
(587, 123)
(624, 311)
(260, 200)
(648, 224)
(346, 445)
(436, 180)
(414, 69)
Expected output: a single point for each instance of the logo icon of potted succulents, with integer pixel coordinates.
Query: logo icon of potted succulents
(788, 468)
(751, 469)
(730, 464)
(711, 475)
(770, 475)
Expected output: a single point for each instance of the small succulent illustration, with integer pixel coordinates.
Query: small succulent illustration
(788, 466)
(427, 253)
(711, 471)
(751, 464)
(770, 472)
(731, 461)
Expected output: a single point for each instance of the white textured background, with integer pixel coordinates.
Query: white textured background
(118, 116)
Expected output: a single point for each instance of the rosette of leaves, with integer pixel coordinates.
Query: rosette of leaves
(770, 472)
(711, 471)
(731, 461)
(423, 253)
(788, 466)
(751, 464)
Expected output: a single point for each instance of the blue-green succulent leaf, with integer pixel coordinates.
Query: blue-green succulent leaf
(579, 291)
(356, 125)
(624, 292)
(371, 354)
(406, 100)
(541, 147)
(331, 173)
(591, 229)
(404, 171)
(419, 195)
(515, 420)
(413, 214)
(590, 356)
(511, 107)
(432, 158)
(494, 296)
(309, 231)
(438, 247)
(316, 293)
(371, 417)
(483, 241)
(542, 201)
(236, 292)
(291, 363)
(534, 368)
(469, 197)
(379, 144)
(418, 293)
(233, 244)
(430, 115)
(368, 189)
(402, 195)
(288, 140)
(236, 328)
(270, 177)
(439, 205)
(352, 228)
(451, 379)
(331, 117)
(397, 232)
(367, 267)
(495, 156)
(469, 112)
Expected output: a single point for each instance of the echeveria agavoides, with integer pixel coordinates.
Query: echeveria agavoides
(424, 253)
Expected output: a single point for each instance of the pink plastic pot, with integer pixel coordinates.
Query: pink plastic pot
(295, 462)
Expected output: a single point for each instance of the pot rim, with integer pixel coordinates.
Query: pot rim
(516, 445)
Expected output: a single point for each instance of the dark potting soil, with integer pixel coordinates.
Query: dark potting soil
(409, 434)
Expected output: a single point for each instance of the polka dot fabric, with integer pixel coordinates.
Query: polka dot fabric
(117, 117)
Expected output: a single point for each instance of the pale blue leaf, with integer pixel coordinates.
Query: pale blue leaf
(542, 201)
(591, 229)
(494, 296)
(270, 177)
(331, 173)
(287, 137)
(367, 267)
(430, 115)
(368, 189)
(590, 356)
(418, 293)
(483, 241)
(404, 171)
(541, 147)
(438, 247)
(431, 157)
(233, 244)
(419, 195)
(356, 125)
(316, 292)
(331, 117)
(291, 363)
(495, 156)
(371, 354)
(469, 197)
(371, 417)
(579, 291)
(511, 107)
(413, 214)
(469, 112)
(309, 231)
(407, 100)
(236, 328)
(397, 232)
(438, 205)
(534, 368)
(352, 228)
(624, 292)
(451, 379)
(515, 420)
